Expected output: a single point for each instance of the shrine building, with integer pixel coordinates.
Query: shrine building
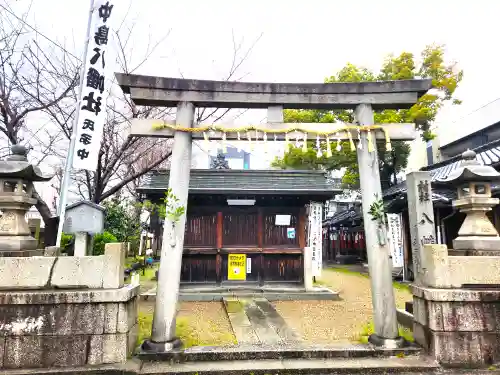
(262, 214)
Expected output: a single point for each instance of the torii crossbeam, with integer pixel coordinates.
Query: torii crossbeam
(363, 97)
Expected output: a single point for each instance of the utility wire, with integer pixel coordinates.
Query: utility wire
(38, 32)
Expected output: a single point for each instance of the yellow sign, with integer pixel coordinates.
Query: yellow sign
(236, 267)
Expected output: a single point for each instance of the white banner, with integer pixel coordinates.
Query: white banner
(96, 85)
(395, 234)
(315, 238)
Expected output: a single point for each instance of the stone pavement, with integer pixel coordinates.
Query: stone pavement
(256, 322)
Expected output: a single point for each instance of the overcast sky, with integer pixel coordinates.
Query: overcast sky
(298, 41)
(302, 41)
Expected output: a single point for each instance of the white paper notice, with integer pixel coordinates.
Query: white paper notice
(315, 240)
(282, 220)
(249, 265)
(395, 234)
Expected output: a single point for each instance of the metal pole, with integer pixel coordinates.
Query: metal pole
(72, 141)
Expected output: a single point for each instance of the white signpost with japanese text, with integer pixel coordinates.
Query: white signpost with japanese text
(90, 111)
(95, 89)
(315, 239)
(395, 235)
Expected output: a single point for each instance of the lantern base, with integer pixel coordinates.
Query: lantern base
(484, 243)
(21, 244)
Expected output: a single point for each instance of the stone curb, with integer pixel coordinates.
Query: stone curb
(276, 352)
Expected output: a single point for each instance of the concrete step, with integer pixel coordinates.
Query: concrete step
(278, 352)
(318, 294)
(394, 365)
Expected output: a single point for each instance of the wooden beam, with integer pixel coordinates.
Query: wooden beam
(219, 229)
(146, 128)
(222, 99)
(301, 230)
(218, 257)
(260, 228)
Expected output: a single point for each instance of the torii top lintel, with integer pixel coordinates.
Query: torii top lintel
(168, 92)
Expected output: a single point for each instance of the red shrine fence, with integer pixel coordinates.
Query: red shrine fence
(344, 243)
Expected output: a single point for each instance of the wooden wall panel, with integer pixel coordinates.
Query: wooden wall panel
(282, 267)
(201, 230)
(199, 268)
(239, 228)
(276, 235)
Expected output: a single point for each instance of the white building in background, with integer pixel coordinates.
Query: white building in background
(427, 153)
(240, 155)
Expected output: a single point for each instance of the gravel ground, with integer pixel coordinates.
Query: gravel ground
(334, 321)
(199, 323)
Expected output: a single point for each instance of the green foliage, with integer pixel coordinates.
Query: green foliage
(100, 240)
(169, 208)
(445, 79)
(184, 330)
(65, 241)
(376, 211)
(121, 220)
(173, 210)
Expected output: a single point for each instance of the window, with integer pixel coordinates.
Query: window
(430, 156)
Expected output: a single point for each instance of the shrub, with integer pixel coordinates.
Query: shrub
(100, 240)
(65, 241)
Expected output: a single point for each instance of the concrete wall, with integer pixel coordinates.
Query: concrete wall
(104, 271)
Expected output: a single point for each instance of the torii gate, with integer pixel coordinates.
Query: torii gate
(363, 97)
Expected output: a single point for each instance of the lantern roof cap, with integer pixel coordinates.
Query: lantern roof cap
(470, 170)
(16, 165)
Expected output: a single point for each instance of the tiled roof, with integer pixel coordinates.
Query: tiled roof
(213, 181)
(343, 216)
(438, 194)
(488, 154)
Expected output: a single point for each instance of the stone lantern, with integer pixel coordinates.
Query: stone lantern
(477, 235)
(16, 197)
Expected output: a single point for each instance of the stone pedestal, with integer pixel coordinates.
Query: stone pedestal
(458, 327)
(60, 311)
(67, 328)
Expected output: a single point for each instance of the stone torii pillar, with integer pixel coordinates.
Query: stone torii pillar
(379, 262)
(187, 94)
(164, 323)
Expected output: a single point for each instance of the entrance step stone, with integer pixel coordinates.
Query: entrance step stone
(286, 333)
(218, 293)
(260, 324)
(256, 321)
(393, 365)
(279, 352)
(242, 328)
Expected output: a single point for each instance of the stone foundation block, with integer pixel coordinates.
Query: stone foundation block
(2, 350)
(459, 349)
(112, 348)
(67, 328)
(458, 327)
(45, 351)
